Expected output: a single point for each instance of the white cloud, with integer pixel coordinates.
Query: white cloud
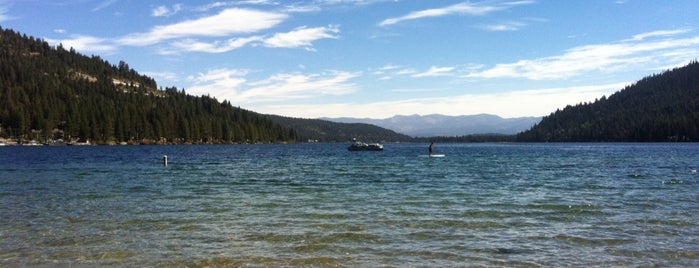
(302, 37)
(257, 2)
(228, 78)
(235, 87)
(164, 11)
(160, 11)
(228, 21)
(211, 6)
(351, 2)
(602, 57)
(388, 67)
(218, 4)
(465, 8)
(282, 87)
(390, 71)
(407, 71)
(104, 4)
(385, 72)
(385, 68)
(503, 27)
(640, 37)
(192, 45)
(219, 83)
(301, 8)
(3, 12)
(435, 71)
(162, 76)
(85, 44)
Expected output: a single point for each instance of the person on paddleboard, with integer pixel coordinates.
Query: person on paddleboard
(431, 146)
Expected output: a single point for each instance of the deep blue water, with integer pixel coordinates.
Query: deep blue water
(319, 205)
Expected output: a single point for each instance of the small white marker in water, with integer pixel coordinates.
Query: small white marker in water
(165, 160)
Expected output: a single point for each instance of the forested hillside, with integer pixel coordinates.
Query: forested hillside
(326, 131)
(662, 107)
(49, 93)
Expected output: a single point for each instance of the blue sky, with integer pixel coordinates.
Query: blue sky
(377, 58)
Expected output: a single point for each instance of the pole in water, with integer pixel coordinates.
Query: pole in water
(165, 160)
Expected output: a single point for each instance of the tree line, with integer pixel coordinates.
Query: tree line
(659, 108)
(51, 92)
(327, 131)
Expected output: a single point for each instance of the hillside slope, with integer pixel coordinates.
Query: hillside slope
(661, 107)
(51, 93)
(326, 131)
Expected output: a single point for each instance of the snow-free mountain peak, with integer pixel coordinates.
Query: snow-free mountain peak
(444, 125)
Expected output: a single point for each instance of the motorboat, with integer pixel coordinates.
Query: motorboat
(363, 146)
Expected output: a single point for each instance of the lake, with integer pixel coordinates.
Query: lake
(511, 204)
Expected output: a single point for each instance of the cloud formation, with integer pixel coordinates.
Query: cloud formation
(164, 11)
(435, 71)
(465, 8)
(503, 27)
(103, 5)
(227, 22)
(302, 37)
(640, 49)
(661, 33)
(242, 27)
(288, 86)
(235, 87)
(86, 43)
(192, 45)
(3, 12)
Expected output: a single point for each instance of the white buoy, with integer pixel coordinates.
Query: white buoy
(165, 160)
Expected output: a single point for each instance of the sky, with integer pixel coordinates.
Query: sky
(377, 58)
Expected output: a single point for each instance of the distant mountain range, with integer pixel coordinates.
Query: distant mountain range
(443, 125)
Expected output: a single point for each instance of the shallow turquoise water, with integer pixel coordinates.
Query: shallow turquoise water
(320, 205)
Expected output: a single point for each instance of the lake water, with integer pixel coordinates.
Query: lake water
(515, 204)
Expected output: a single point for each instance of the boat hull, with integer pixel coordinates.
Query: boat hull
(365, 147)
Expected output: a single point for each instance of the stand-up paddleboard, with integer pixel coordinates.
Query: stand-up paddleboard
(432, 155)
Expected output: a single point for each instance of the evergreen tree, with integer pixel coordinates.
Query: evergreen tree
(44, 88)
(658, 108)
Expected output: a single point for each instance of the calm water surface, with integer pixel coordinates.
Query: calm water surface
(523, 205)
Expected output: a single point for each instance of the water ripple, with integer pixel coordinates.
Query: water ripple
(511, 205)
